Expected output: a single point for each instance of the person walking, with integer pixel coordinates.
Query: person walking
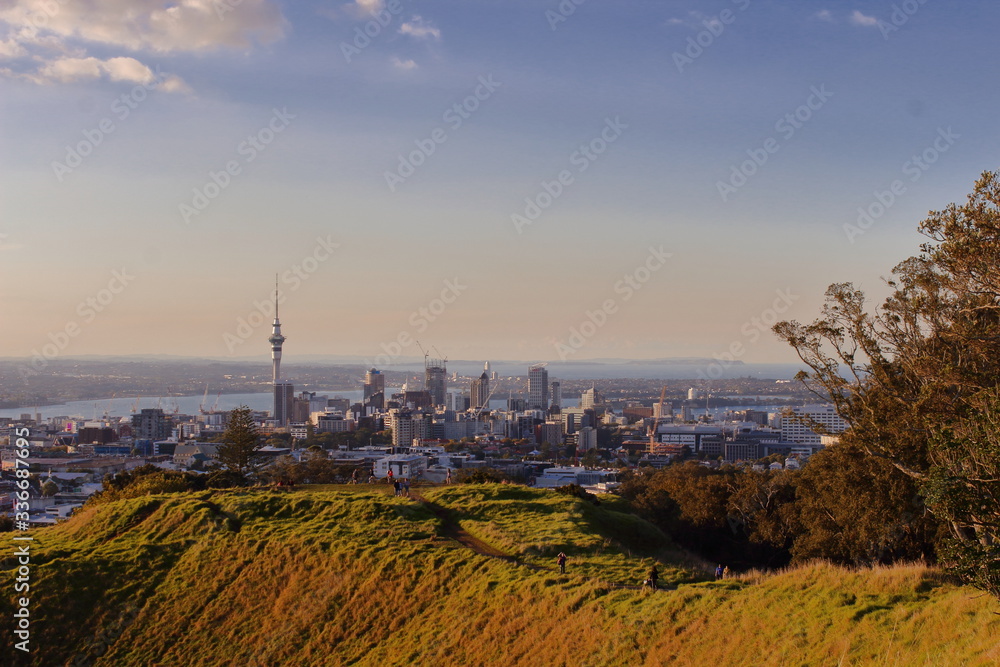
(561, 560)
(653, 578)
(725, 572)
(447, 478)
(406, 487)
(718, 572)
(396, 486)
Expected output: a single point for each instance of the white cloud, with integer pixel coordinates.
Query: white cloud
(369, 5)
(417, 27)
(825, 15)
(10, 48)
(58, 34)
(128, 70)
(857, 18)
(404, 64)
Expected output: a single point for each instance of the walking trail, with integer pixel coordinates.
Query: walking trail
(453, 530)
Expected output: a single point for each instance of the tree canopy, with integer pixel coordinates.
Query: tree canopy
(240, 442)
(918, 378)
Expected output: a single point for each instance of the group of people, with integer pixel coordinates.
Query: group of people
(401, 486)
(721, 572)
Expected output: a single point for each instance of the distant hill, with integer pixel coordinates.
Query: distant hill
(352, 575)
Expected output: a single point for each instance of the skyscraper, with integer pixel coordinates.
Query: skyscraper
(538, 387)
(436, 380)
(481, 389)
(151, 424)
(590, 398)
(284, 402)
(374, 389)
(556, 397)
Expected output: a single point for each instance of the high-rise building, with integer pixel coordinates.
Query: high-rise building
(407, 425)
(538, 387)
(586, 439)
(591, 397)
(284, 402)
(374, 389)
(556, 397)
(796, 425)
(481, 389)
(151, 424)
(436, 380)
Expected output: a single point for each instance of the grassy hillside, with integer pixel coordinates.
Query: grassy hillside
(352, 575)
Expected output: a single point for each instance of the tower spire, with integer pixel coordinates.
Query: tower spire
(276, 338)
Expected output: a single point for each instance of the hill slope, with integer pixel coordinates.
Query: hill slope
(350, 575)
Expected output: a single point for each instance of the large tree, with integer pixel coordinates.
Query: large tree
(918, 378)
(240, 442)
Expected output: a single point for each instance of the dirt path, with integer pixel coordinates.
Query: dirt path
(453, 530)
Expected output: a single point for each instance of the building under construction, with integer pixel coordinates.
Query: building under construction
(435, 379)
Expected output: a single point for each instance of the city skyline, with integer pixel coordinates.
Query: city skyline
(541, 182)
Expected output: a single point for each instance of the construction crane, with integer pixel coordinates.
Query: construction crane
(656, 421)
(423, 352)
(440, 356)
(204, 399)
(486, 403)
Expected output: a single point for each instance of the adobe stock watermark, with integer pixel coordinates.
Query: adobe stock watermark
(39, 20)
(88, 310)
(223, 7)
(751, 331)
(563, 11)
(365, 34)
(121, 108)
(584, 156)
(625, 288)
(900, 16)
(913, 169)
(714, 27)
(420, 319)
(293, 277)
(454, 116)
(248, 149)
(786, 126)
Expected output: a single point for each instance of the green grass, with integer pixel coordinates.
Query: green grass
(352, 575)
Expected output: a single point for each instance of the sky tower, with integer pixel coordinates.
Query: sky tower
(283, 391)
(276, 338)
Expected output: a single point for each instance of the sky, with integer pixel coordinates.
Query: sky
(498, 180)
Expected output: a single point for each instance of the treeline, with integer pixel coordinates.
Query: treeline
(842, 506)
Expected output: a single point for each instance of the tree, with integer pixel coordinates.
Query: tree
(49, 488)
(240, 442)
(859, 510)
(922, 383)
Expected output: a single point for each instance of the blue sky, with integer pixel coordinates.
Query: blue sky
(358, 260)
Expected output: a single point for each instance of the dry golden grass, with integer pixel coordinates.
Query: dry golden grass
(355, 576)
